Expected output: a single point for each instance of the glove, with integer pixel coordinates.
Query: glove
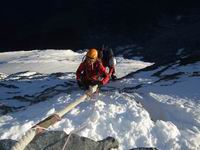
(100, 83)
(97, 82)
(113, 77)
(80, 84)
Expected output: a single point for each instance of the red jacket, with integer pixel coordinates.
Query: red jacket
(95, 72)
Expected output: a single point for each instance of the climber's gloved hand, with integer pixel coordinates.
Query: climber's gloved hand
(97, 83)
(113, 77)
(80, 84)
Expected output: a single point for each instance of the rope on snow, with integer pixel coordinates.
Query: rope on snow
(43, 125)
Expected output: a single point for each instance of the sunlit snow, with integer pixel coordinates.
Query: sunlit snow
(159, 114)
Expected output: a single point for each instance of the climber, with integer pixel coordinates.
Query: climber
(91, 71)
(106, 55)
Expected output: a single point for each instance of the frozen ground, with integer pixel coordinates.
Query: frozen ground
(162, 113)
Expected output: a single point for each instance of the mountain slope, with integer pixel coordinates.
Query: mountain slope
(151, 107)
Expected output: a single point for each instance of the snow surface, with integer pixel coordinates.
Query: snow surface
(51, 61)
(161, 114)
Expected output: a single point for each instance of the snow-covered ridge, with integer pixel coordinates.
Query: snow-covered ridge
(155, 108)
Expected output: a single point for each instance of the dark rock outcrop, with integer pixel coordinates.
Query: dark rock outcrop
(56, 140)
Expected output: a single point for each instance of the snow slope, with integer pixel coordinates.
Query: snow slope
(51, 61)
(161, 113)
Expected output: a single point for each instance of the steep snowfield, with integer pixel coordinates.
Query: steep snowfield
(161, 113)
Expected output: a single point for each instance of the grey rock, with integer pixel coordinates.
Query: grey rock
(6, 144)
(55, 140)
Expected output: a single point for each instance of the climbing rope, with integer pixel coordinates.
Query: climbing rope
(43, 125)
(81, 127)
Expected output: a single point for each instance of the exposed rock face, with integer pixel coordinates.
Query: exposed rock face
(6, 144)
(55, 140)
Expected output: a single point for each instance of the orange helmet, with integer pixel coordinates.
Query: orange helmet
(92, 53)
